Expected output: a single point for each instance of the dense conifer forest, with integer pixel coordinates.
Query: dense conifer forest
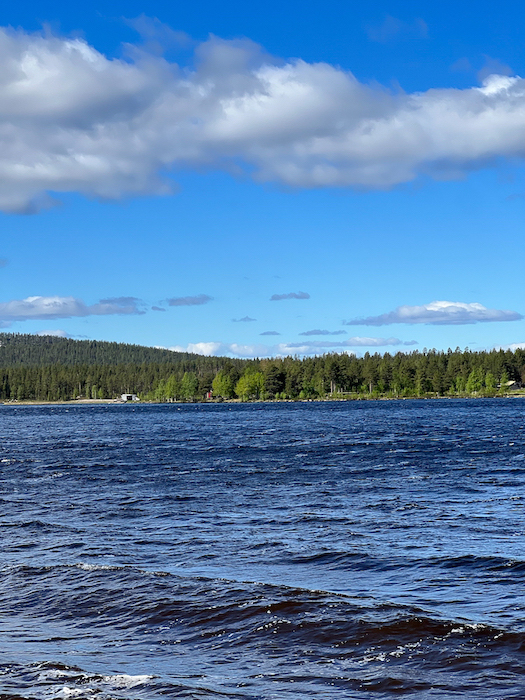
(48, 368)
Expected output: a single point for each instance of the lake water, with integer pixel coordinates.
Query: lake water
(366, 550)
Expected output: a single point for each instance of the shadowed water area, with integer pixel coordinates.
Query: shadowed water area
(368, 550)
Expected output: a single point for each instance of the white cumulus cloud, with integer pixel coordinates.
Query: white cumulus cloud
(73, 120)
(55, 333)
(223, 349)
(438, 313)
(39, 307)
(207, 348)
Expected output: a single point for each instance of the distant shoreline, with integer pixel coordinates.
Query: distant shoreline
(119, 402)
(72, 402)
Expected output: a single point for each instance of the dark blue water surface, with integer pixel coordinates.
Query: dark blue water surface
(275, 551)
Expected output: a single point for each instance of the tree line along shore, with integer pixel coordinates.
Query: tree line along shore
(47, 368)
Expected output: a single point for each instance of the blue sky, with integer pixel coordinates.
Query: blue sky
(257, 180)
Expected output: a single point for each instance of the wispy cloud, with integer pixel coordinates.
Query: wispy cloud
(73, 120)
(245, 319)
(392, 27)
(190, 301)
(493, 66)
(317, 331)
(438, 313)
(120, 302)
(290, 295)
(284, 349)
(157, 36)
(157, 308)
(270, 333)
(462, 65)
(39, 307)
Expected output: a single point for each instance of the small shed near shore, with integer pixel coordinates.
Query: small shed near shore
(129, 397)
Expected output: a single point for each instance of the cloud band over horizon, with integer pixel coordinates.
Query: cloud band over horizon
(217, 348)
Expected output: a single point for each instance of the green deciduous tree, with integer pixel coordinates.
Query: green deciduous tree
(223, 385)
(189, 385)
(475, 381)
(172, 388)
(490, 381)
(250, 386)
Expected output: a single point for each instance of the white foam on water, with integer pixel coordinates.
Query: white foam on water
(73, 692)
(119, 680)
(96, 567)
(122, 680)
(403, 649)
(52, 673)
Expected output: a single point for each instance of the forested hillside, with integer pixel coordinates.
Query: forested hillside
(37, 351)
(49, 369)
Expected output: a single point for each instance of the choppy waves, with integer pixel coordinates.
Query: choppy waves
(236, 639)
(261, 552)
